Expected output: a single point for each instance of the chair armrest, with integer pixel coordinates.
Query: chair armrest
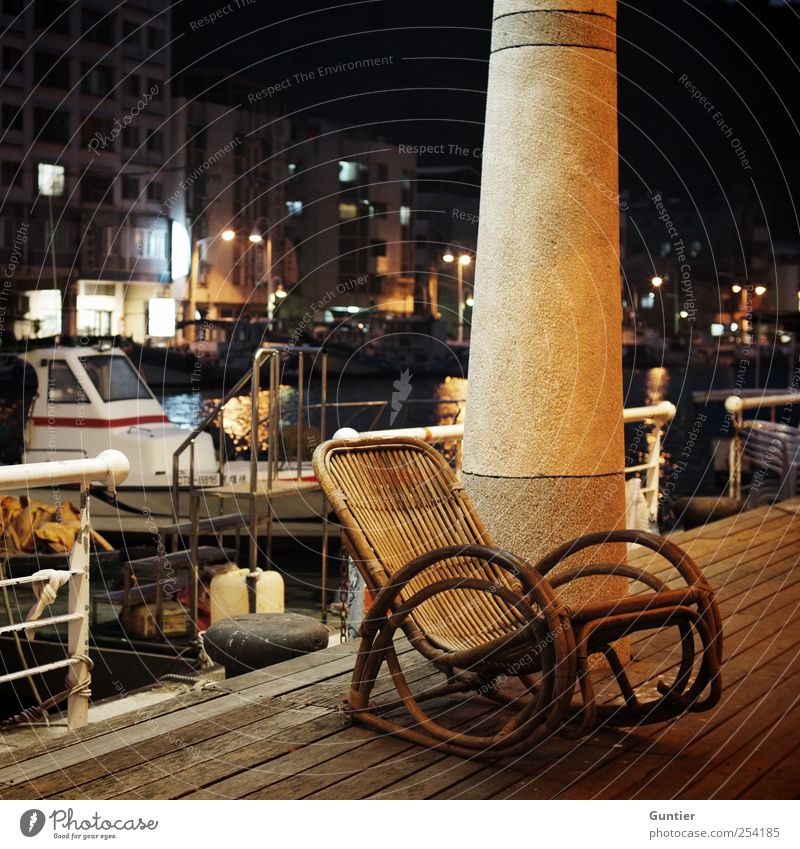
(672, 553)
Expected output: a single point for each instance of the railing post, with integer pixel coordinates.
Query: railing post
(300, 390)
(255, 391)
(79, 676)
(652, 474)
(735, 458)
(273, 441)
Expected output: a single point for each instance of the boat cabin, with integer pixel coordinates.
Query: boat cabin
(90, 399)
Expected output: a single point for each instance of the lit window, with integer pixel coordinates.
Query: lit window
(149, 244)
(51, 180)
(405, 215)
(348, 172)
(294, 208)
(348, 211)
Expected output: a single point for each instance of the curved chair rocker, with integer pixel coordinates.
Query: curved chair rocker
(485, 617)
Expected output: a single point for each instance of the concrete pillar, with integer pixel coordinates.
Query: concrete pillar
(544, 444)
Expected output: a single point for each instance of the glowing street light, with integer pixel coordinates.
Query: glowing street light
(228, 235)
(657, 281)
(760, 290)
(463, 261)
(736, 288)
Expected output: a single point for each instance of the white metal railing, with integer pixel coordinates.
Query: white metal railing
(657, 414)
(736, 406)
(109, 468)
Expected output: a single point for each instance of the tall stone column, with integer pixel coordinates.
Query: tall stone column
(544, 445)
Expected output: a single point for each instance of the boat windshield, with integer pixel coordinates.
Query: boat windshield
(115, 378)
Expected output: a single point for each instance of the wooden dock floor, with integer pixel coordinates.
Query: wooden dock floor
(277, 733)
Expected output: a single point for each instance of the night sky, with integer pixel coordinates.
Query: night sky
(742, 57)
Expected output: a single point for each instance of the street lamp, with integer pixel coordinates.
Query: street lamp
(463, 260)
(656, 283)
(256, 237)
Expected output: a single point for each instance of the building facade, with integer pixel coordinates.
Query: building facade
(350, 201)
(235, 178)
(448, 198)
(92, 222)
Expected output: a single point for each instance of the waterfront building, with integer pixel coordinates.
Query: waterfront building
(91, 213)
(234, 153)
(351, 199)
(447, 198)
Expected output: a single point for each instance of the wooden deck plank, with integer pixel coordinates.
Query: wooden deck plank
(773, 783)
(325, 748)
(654, 749)
(255, 687)
(186, 700)
(276, 733)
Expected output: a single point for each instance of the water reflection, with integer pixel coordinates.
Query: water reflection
(656, 385)
(440, 401)
(453, 394)
(362, 405)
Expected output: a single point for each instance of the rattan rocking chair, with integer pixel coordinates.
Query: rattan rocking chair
(485, 617)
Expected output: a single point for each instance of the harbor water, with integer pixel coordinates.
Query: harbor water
(402, 400)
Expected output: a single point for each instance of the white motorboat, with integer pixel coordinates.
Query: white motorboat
(92, 398)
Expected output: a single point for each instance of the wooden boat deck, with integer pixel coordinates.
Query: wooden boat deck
(277, 733)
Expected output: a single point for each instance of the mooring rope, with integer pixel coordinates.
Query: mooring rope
(38, 713)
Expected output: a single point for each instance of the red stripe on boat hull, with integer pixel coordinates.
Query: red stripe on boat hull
(58, 421)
